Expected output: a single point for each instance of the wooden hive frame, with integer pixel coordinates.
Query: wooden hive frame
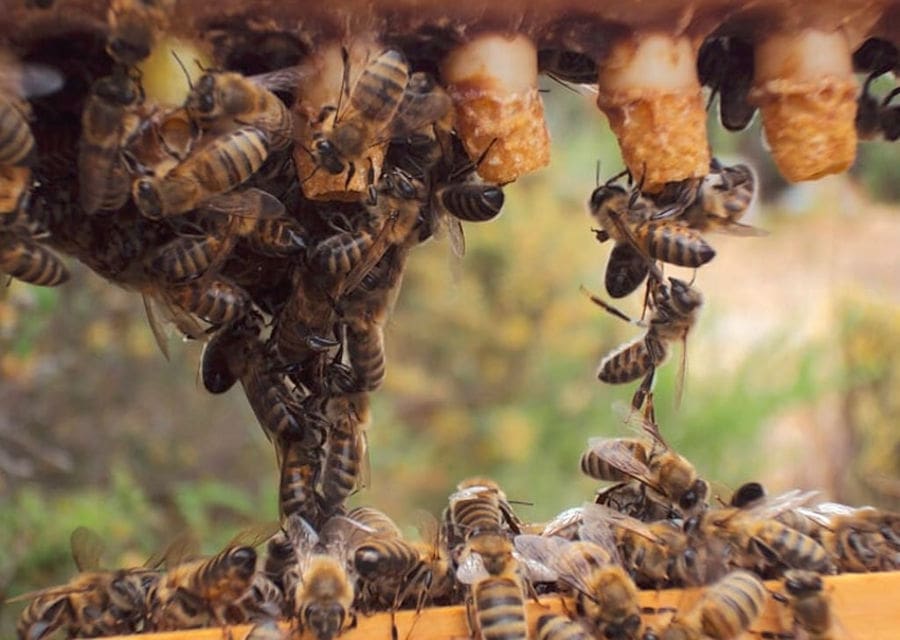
(865, 606)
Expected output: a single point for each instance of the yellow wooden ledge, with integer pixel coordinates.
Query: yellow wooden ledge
(866, 605)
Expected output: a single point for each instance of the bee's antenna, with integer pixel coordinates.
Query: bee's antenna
(187, 76)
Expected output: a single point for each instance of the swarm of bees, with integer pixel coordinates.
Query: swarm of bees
(204, 210)
(654, 526)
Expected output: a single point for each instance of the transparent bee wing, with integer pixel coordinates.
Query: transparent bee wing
(599, 521)
(255, 535)
(87, 548)
(614, 453)
(36, 80)
(340, 534)
(303, 538)
(541, 554)
(183, 548)
(640, 423)
(249, 203)
(365, 464)
(285, 79)
(159, 334)
(428, 527)
(731, 228)
(471, 569)
(61, 590)
(771, 507)
(564, 523)
(456, 235)
(598, 529)
(834, 509)
(375, 252)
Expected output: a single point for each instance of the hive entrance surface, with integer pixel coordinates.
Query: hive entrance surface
(270, 209)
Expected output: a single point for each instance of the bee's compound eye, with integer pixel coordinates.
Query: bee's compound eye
(147, 199)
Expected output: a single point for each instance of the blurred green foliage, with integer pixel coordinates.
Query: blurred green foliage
(491, 372)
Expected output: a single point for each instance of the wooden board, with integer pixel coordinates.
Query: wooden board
(866, 606)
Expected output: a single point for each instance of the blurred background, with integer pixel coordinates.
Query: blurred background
(793, 373)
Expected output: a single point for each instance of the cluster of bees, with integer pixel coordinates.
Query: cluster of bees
(653, 525)
(201, 209)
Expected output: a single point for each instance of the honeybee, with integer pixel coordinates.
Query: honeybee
(633, 499)
(262, 601)
(23, 258)
(724, 611)
(252, 214)
(471, 201)
(211, 170)
(725, 64)
(216, 300)
(393, 209)
(222, 359)
(195, 593)
(648, 231)
(605, 596)
(757, 540)
(134, 28)
(301, 467)
(372, 103)
(722, 197)
(497, 589)
(388, 568)
(110, 117)
(877, 118)
(555, 626)
(424, 104)
(345, 468)
(245, 101)
(876, 56)
(478, 507)
(95, 602)
(19, 81)
(164, 138)
(438, 585)
(655, 465)
(809, 606)
(863, 539)
(674, 310)
(318, 587)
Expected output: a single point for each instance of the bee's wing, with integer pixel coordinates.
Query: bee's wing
(285, 79)
(249, 203)
(341, 534)
(771, 507)
(36, 80)
(565, 521)
(539, 555)
(183, 548)
(456, 236)
(255, 535)
(303, 538)
(374, 253)
(159, 334)
(638, 421)
(598, 521)
(614, 453)
(471, 569)
(732, 228)
(87, 548)
(61, 590)
(597, 527)
(418, 109)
